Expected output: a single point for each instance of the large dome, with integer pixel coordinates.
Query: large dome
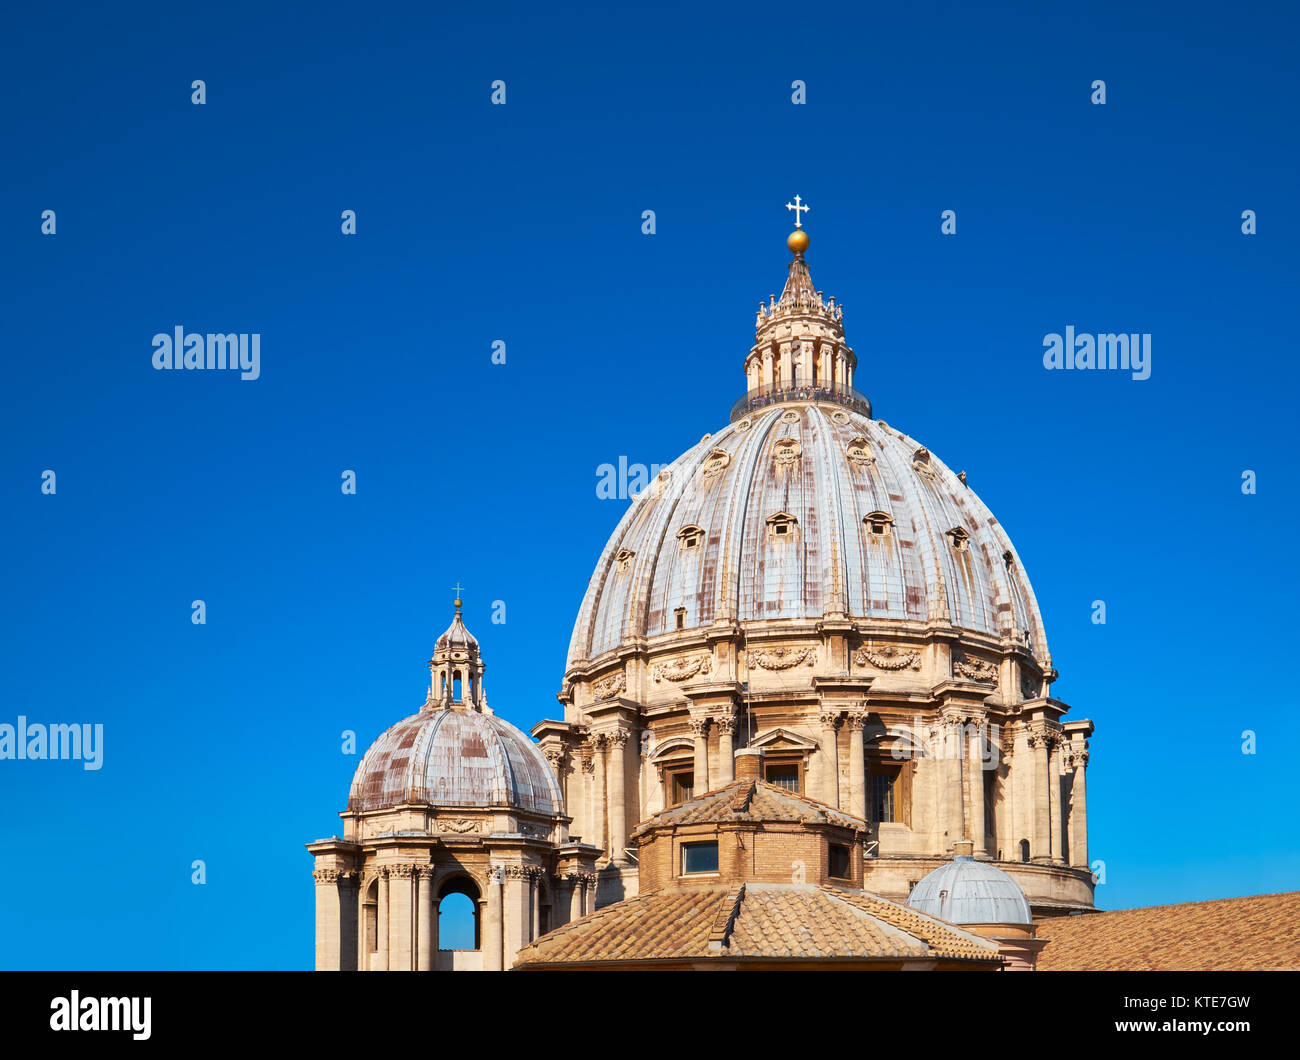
(796, 510)
(455, 757)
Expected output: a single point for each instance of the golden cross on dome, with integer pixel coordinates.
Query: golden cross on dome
(796, 208)
(457, 590)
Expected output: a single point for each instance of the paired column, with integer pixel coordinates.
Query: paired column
(363, 943)
(618, 795)
(700, 734)
(977, 734)
(1039, 744)
(328, 917)
(831, 722)
(857, 721)
(426, 918)
(517, 911)
(587, 821)
(726, 724)
(950, 754)
(1078, 760)
(492, 922)
(535, 886)
(401, 886)
(381, 925)
(1079, 805)
(599, 799)
(1054, 799)
(575, 896)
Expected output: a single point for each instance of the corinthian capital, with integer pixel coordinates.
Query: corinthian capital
(1043, 735)
(699, 726)
(1075, 756)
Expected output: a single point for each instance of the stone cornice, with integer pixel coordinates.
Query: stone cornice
(857, 686)
(548, 727)
(613, 712)
(964, 692)
(757, 633)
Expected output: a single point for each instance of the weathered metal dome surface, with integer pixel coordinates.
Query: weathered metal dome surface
(965, 891)
(450, 757)
(456, 635)
(830, 476)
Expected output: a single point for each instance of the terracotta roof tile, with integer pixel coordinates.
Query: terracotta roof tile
(756, 920)
(944, 939)
(1261, 932)
(751, 800)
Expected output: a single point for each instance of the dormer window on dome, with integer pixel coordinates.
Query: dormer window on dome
(782, 525)
(958, 537)
(623, 557)
(690, 536)
(878, 523)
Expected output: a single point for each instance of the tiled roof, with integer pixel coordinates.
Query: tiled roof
(751, 800)
(755, 921)
(1261, 932)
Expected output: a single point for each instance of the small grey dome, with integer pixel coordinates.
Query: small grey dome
(965, 891)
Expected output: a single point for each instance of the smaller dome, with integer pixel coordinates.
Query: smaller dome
(457, 758)
(966, 891)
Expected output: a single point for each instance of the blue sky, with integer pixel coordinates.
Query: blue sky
(522, 223)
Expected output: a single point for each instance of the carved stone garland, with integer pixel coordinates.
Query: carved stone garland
(888, 658)
(682, 669)
(976, 670)
(781, 658)
(610, 686)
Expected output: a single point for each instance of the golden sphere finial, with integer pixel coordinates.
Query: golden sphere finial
(797, 241)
